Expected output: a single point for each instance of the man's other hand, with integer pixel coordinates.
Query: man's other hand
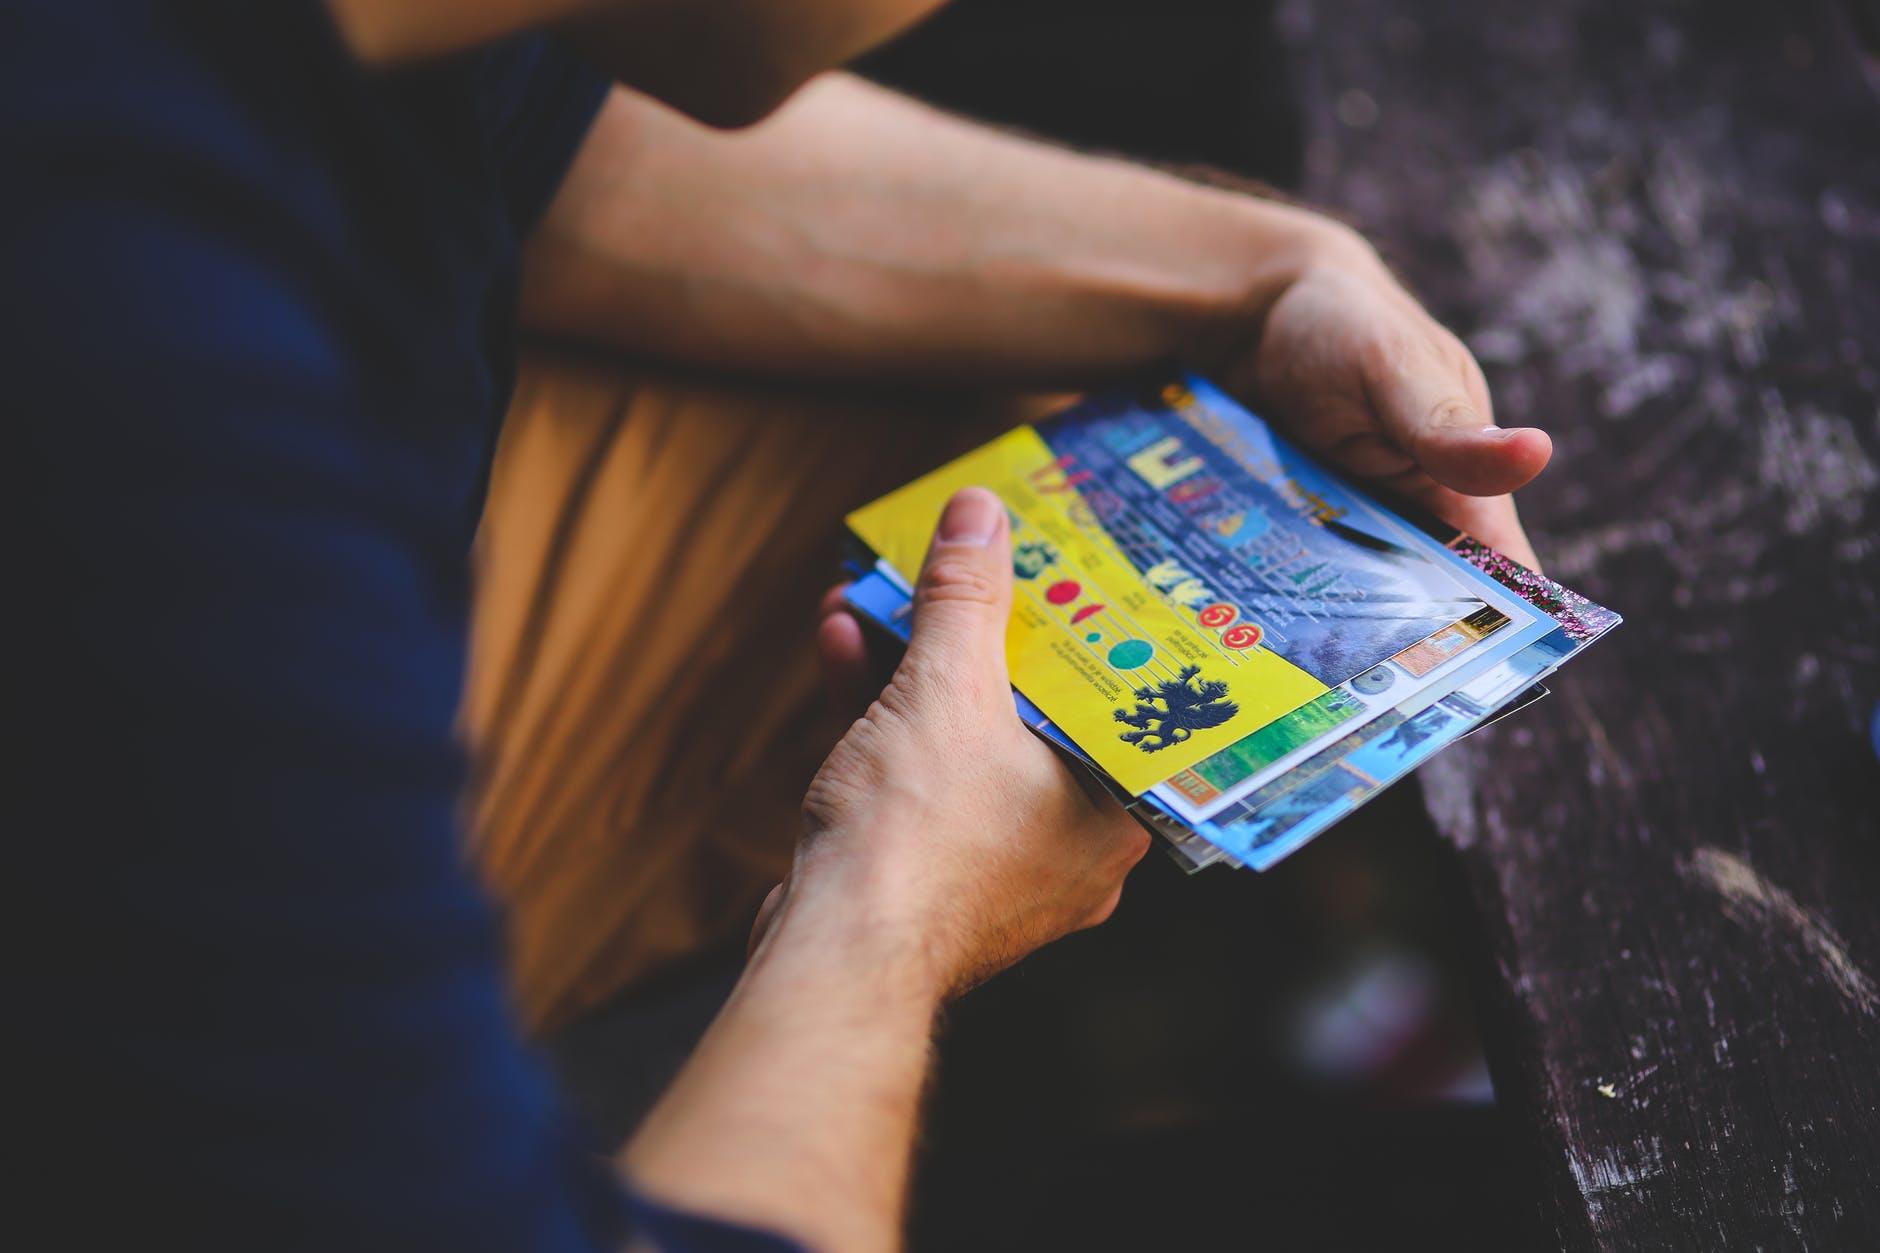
(1348, 362)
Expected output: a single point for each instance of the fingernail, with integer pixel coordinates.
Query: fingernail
(1497, 432)
(971, 517)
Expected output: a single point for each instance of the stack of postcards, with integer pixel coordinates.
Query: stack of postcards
(1240, 643)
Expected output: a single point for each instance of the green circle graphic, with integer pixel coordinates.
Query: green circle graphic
(1131, 653)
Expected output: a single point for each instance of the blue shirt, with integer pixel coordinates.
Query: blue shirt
(259, 312)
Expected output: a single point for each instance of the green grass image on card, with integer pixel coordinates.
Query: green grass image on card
(1251, 754)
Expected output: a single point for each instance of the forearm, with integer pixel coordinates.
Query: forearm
(797, 1111)
(858, 234)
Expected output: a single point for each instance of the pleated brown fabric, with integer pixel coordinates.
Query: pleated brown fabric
(643, 704)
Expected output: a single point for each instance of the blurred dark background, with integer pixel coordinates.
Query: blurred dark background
(1177, 81)
(1288, 1059)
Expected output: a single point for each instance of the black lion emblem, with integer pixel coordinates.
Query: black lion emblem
(1186, 707)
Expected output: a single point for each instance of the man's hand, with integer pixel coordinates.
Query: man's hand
(940, 825)
(1355, 369)
(943, 842)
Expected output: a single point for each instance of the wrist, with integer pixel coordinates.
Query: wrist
(1269, 247)
(1162, 269)
(863, 935)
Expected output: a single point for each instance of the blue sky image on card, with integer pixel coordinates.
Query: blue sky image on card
(1213, 509)
(1263, 827)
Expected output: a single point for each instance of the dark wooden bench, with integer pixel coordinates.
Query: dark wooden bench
(1658, 224)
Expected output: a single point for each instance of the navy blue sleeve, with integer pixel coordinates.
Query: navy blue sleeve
(539, 103)
(675, 1231)
(249, 295)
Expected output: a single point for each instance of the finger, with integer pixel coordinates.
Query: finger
(835, 600)
(1342, 430)
(1491, 519)
(964, 596)
(1434, 406)
(843, 654)
(855, 666)
(842, 651)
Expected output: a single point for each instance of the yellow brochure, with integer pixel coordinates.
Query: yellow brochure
(1091, 643)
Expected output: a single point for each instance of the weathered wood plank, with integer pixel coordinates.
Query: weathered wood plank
(1658, 224)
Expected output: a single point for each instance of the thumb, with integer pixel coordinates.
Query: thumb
(964, 596)
(1434, 413)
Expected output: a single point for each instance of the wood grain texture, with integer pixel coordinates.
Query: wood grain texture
(1658, 225)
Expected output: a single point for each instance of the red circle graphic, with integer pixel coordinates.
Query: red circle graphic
(1246, 635)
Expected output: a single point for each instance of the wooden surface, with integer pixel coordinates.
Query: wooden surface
(1658, 224)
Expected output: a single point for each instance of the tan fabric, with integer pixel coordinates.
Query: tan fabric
(643, 703)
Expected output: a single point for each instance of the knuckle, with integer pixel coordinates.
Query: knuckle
(959, 580)
(1380, 357)
(1103, 912)
(1371, 454)
(897, 700)
(1449, 346)
(1454, 355)
(926, 688)
(1476, 382)
(830, 795)
(1349, 239)
(1453, 411)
